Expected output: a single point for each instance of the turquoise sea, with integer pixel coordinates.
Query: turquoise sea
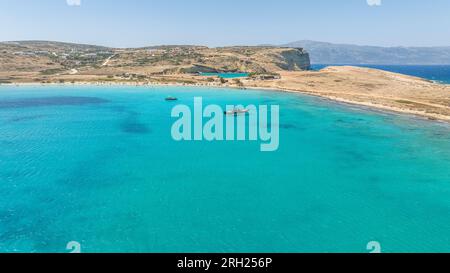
(226, 75)
(97, 165)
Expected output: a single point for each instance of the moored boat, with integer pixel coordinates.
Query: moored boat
(236, 111)
(171, 99)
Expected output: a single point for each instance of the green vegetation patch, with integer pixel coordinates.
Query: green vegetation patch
(52, 71)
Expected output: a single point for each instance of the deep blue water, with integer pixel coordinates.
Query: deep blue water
(439, 73)
(98, 165)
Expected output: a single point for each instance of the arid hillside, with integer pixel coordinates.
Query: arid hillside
(41, 61)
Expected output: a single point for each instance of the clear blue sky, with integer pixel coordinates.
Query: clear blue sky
(130, 23)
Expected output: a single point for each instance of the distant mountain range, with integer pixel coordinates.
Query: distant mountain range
(328, 53)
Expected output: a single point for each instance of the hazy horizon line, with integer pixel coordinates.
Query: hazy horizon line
(218, 46)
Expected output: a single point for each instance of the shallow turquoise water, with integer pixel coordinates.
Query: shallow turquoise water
(226, 75)
(97, 165)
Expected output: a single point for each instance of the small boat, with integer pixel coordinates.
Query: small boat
(171, 99)
(236, 112)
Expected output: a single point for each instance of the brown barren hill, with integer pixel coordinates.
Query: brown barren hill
(40, 61)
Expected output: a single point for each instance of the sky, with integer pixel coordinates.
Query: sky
(134, 23)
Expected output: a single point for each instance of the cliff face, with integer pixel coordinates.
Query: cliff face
(250, 59)
(295, 60)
